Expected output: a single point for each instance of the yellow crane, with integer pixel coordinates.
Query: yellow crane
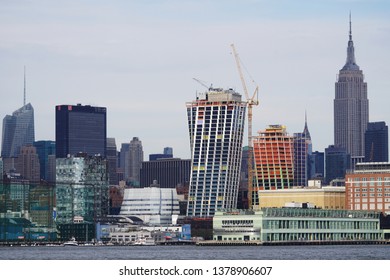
(250, 101)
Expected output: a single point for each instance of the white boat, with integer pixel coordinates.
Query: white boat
(148, 241)
(71, 242)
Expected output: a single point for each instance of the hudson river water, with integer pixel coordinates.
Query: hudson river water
(328, 252)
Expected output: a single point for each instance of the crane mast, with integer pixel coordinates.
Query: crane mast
(250, 102)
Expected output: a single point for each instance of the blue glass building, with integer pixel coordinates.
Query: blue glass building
(377, 142)
(18, 131)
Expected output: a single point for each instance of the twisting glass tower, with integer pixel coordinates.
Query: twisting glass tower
(216, 127)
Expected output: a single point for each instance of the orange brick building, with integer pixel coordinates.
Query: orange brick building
(273, 159)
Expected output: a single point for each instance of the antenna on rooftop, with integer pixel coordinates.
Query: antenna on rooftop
(24, 92)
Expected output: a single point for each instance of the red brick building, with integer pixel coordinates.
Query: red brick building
(368, 187)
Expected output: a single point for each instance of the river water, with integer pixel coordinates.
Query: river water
(328, 252)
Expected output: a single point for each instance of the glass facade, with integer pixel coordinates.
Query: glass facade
(27, 212)
(80, 129)
(44, 150)
(18, 131)
(376, 142)
(216, 124)
(82, 188)
(168, 172)
(337, 162)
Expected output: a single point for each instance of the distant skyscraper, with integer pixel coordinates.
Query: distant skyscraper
(337, 162)
(124, 158)
(168, 172)
(44, 150)
(135, 159)
(274, 159)
(216, 124)
(168, 151)
(80, 129)
(18, 131)
(27, 163)
(112, 159)
(317, 162)
(377, 142)
(350, 106)
(302, 152)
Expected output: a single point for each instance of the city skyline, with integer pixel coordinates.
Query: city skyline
(137, 59)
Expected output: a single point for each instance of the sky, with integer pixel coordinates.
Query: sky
(139, 60)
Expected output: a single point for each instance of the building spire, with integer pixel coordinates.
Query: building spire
(306, 129)
(350, 27)
(351, 62)
(24, 91)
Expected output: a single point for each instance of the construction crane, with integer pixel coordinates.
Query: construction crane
(203, 84)
(250, 101)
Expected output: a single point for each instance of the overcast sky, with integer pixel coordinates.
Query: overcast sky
(139, 58)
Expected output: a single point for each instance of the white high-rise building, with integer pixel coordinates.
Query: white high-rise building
(216, 128)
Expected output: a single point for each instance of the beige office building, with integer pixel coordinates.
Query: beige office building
(320, 197)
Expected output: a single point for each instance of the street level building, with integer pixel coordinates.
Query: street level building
(368, 187)
(216, 128)
(326, 197)
(153, 205)
(296, 224)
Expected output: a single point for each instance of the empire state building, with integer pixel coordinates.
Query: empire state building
(350, 106)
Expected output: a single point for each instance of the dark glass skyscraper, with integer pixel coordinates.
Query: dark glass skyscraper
(44, 150)
(18, 131)
(377, 142)
(350, 106)
(337, 162)
(80, 129)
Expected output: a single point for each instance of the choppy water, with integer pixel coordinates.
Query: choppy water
(329, 252)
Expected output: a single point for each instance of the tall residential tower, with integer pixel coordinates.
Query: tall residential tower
(216, 126)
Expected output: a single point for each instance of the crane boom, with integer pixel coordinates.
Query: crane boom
(250, 102)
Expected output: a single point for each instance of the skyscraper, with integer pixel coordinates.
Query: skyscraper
(169, 172)
(112, 158)
(135, 159)
(377, 142)
(27, 163)
(216, 124)
(350, 106)
(18, 131)
(302, 152)
(274, 159)
(337, 162)
(80, 129)
(44, 150)
(81, 188)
